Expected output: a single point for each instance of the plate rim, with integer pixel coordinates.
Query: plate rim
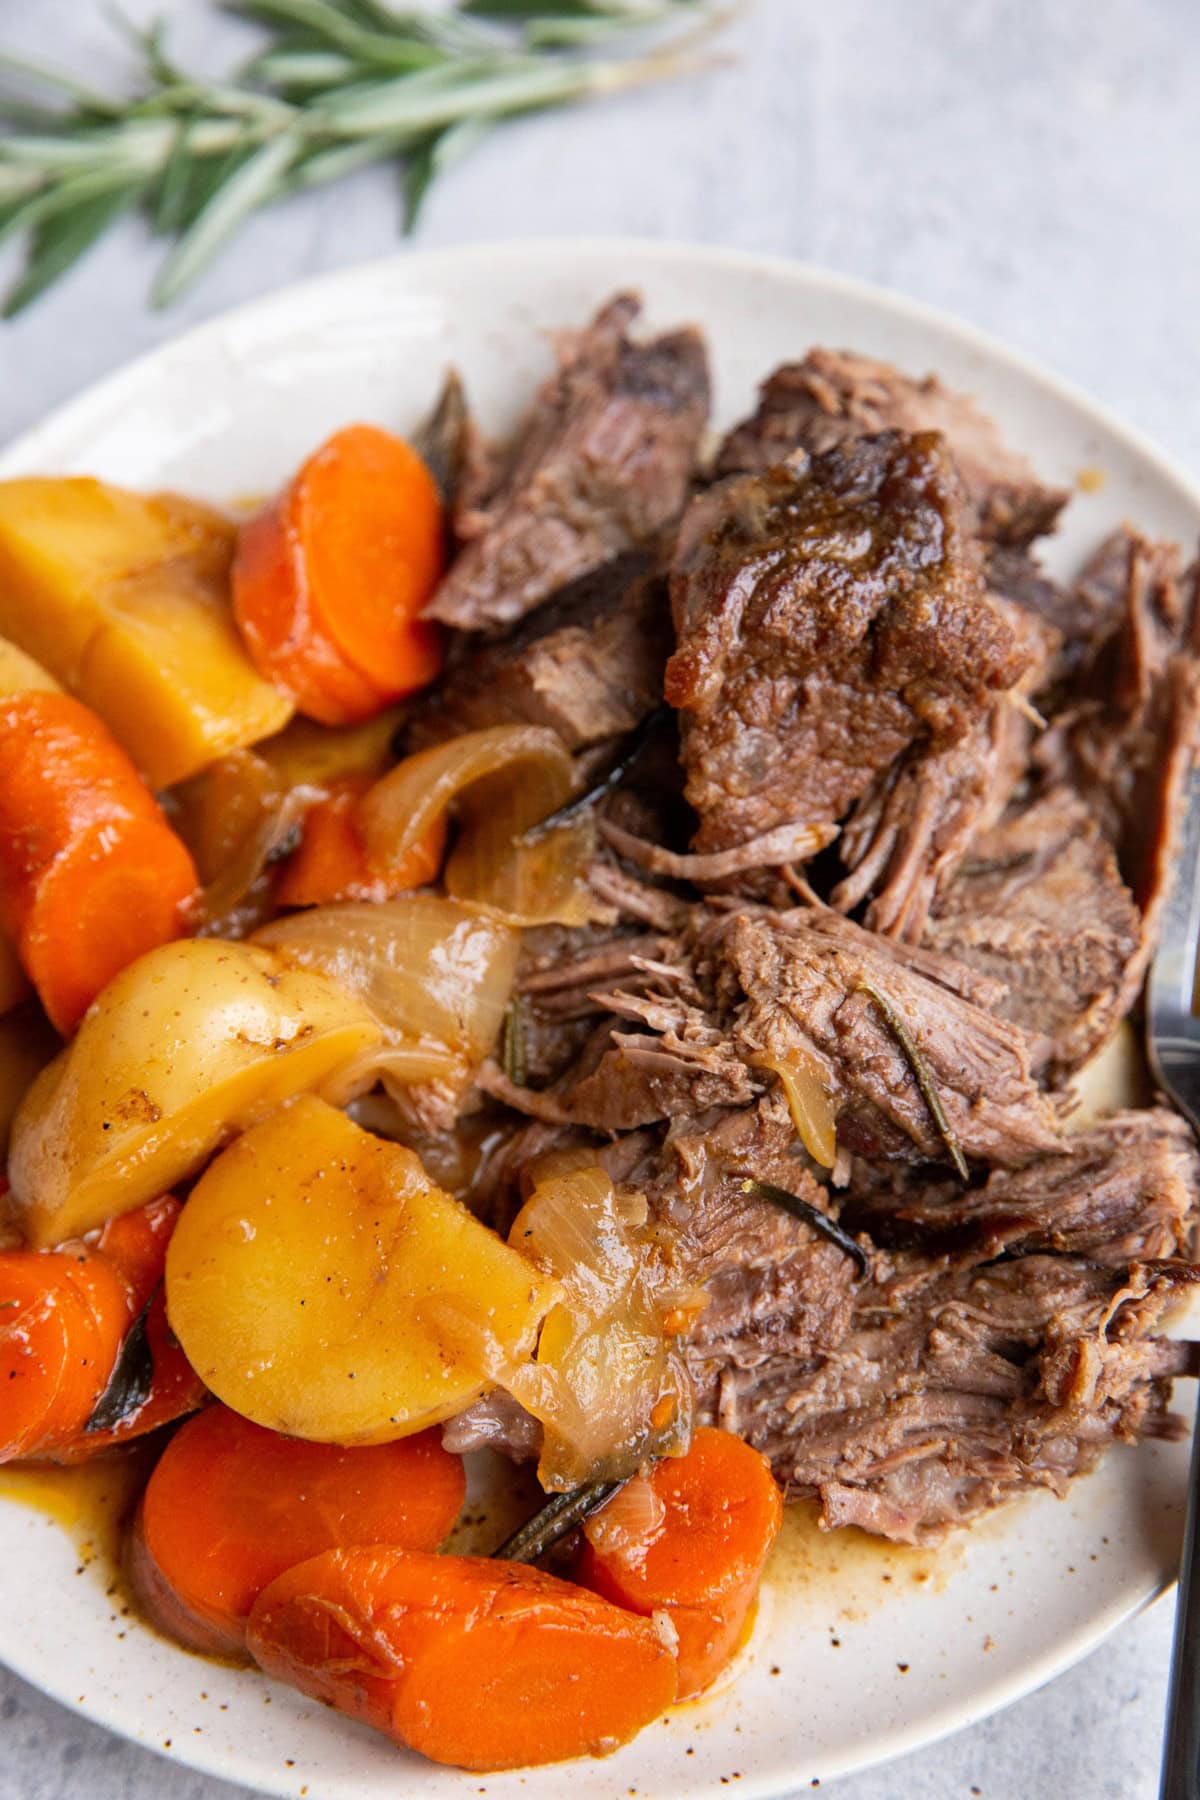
(20, 452)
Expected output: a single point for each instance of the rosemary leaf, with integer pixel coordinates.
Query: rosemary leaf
(434, 157)
(248, 188)
(327, 26)
(60, 81)
(922, 1075)
(303, 71)
(59, 241)
(170, 201)
(50, 202)
(129, 1385)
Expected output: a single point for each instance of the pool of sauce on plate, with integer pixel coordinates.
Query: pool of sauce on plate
(90, 1501)
(857, 1572)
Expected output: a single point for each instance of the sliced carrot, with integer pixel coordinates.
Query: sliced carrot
(368, 512)
(63, 1315)
(330, 862)
(330, 579)
(91, 874)
(135, 1245)
(230, 1506)
(287, 642)
(689, 1539)
(484, 1665)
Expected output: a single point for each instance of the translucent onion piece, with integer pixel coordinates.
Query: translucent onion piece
(607, 1385)
(627, 1525)
(407, 1065)
(437, 976)
(805, 1084)
(237, 812)
(231, 817)
(539, 880)
(504, 780)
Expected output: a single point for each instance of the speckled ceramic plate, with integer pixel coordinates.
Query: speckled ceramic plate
(859, 1652)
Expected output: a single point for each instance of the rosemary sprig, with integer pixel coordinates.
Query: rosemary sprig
(561, 1513)
(812, 1215)
(921, 1075)
(338, 85)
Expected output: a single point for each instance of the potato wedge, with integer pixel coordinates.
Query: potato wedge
(19, 673)
(124, 598)
(187, 1046)
(323, 1286)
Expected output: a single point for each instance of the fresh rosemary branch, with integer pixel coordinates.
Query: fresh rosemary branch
(339, 84)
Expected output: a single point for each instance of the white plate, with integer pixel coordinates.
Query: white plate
(858, 1654)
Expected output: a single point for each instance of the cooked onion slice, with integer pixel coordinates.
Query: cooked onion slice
(436, 975)
(608, 1384)
(805, 1084)
(501, 782)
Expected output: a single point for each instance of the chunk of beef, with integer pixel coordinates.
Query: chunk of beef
(1130, 746)
(776, 1288)
(918, 819)
(961, 1384)
(809, 981)
(558, 973)
(834, 395)
(1079, 617)
(1040, 906)
(1124, 1191)
(588, 664)
(827, 619)
(601, 465)
(495, 1422)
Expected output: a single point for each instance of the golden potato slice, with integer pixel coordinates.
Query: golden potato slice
(323, 1286)
(124, 598)
(20, 674)
(188, 1045)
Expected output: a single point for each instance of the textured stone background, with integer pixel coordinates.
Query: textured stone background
(1031, 165)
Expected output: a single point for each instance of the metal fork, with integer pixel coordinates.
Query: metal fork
(1173, 1041)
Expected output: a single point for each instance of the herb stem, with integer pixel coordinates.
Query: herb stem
(812, 1215)
(561, 1513)
(922, 1075)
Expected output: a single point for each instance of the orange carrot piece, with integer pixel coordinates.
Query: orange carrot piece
(330, 862)
(135, 1245)
(91, 874)
(231, 1505)
(480, 1664)
(288, 644)
(63, 1315)
(369, 514)
(689, 1539)
(330, 579)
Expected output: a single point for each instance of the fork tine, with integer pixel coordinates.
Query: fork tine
(1172, 1028)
